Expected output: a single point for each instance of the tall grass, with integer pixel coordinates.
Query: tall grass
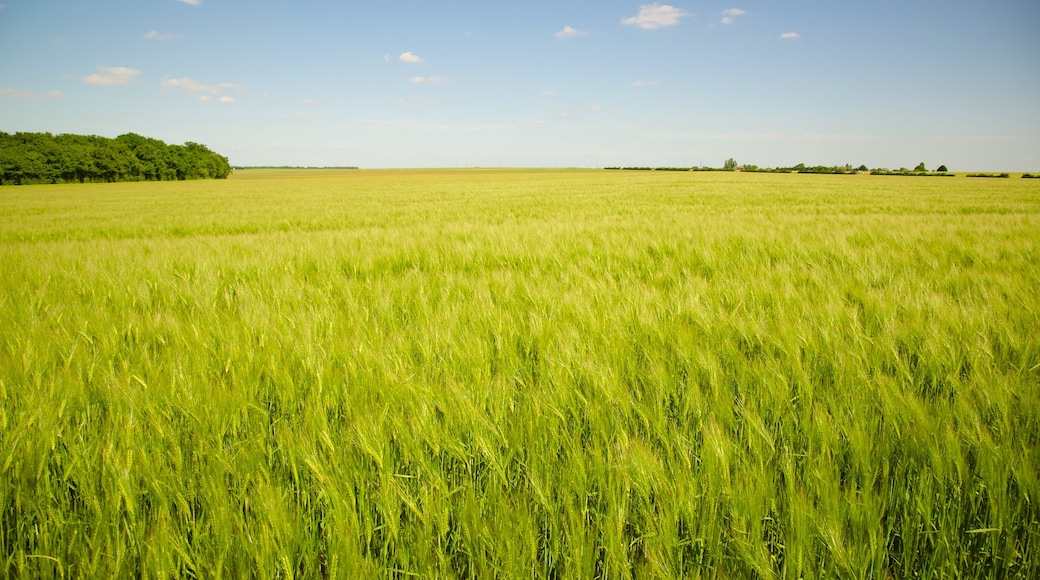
(516, 374)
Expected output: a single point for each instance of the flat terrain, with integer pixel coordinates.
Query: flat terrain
(521, 373)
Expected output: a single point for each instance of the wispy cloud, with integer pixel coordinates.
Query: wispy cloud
(19, 94)
(656, 15)
(548, 93)
(190, 85)
(114, 75)
(156, 35)
(789, 36)
(209, 99)
(638, 84)
(409, 57)
(730, 16)
(570, 32)
(421, 80)
(212, 92)
(192, 2)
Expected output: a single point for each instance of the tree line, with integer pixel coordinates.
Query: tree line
(848, 169)
(33, 158)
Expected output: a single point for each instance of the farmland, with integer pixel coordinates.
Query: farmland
(521, 373)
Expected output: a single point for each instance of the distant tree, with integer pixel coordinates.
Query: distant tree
(730, 165)
(920, 167)
(942, 169)
(862, 168)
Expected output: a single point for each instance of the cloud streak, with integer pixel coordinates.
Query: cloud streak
(209, 99)
(156, 35)
(19, 94)
(656, 15)
(211, 93)
(188, 85)
(789, 36)
(570, 32)
(409, 57)
(420, 80)
(116, 75)
(730, 16)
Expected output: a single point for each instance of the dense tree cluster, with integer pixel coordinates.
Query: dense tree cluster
(28, 158)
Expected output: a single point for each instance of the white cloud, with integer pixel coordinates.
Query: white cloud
(570, 32)
(117, 75)
(19, 94)
(656, 15)
(730, 16)
(189, 85)
(156, 35)
(409, 57)
(192, 2)
(420, 80)
(548, 93)
(209, 99)
(386, 58)
(789, 36)
(211, 93)
(645, 83)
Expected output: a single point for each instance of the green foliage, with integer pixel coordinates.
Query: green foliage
(36, 158)
(512, 374)
(729, 165)
(906, 172)
(991, 175)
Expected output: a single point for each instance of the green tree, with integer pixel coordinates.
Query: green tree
(76, 162)
(920, 168)
(44, 158)
(730, 164)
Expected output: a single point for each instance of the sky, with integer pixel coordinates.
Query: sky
(537, 83)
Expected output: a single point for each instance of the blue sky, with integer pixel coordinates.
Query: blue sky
(537, 83)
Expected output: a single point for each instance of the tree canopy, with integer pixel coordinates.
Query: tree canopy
(30, 158)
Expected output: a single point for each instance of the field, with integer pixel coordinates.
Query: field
(518, 374)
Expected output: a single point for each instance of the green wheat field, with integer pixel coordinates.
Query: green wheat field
(521, 374)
